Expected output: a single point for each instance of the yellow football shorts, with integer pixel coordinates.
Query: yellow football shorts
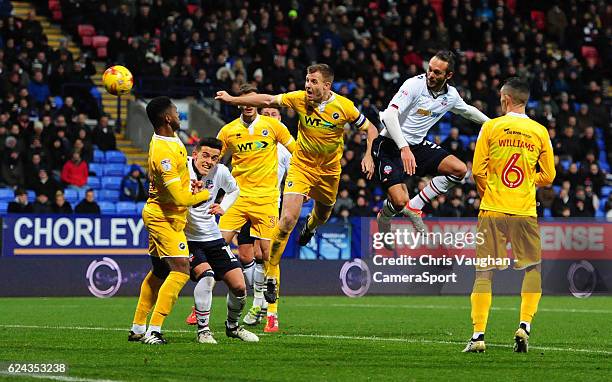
(498, 229)
(261, 212)
(166, 236)
(312, 182)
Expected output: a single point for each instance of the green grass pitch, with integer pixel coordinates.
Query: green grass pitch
(321, 338)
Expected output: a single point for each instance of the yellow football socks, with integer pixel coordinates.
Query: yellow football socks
(531, 292)
(277, 247)
(168, 294)
(314, 221)
(481, 303)
(148, 295)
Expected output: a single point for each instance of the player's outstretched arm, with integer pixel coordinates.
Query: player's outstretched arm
(251, 99)
(469, 112)
(184, 198)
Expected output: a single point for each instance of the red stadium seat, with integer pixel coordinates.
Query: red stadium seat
(86, 30)
(438, 6)
(539, 18)
(86, 40)
(57, 15)
(99, 41)
(589, 52)
(54, 5)
(101, 52)
(191, 8)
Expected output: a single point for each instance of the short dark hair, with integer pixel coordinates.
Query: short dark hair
(517, 88)
(89, 190)
(448, 57)
(247, 88)
(326, 71)
(156, 110)
(211, 142)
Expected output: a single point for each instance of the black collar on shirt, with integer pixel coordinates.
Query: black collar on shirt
(195, 170)
(442, 92)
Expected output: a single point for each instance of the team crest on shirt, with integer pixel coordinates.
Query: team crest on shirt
(387, 170)
(335, 116)
(444, 101)
(265, 132)
(289, 184)
(209, 184)
(166, 164)
(182, 246)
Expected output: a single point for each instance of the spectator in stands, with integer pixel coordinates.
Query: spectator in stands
(88, 205)
(12, 168)
(104, 136)
(133, 186)
(38, 88)
(41, 205)
(588, 143)
(21, 204)
(343, 201)
(569, 144)
(45, 184)
(61, 206)
(362, 209)
(75, 172)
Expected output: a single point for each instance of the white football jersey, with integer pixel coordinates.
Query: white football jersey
(201, 225)
(419, 110)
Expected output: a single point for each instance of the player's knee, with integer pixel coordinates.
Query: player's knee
(399, 201)
(239, 290)
(287, 223)
(179, 264)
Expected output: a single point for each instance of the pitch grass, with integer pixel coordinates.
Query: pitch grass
(322, 338)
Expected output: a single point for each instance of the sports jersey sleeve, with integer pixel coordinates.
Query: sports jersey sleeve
(283, 136)
(358, 120)
(468, 111)
(229, 185)
(481, 159)
(290, 99)
(404, 96)
(547, 172)
(166, 165)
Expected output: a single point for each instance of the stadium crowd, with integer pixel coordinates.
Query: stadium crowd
(373, 46)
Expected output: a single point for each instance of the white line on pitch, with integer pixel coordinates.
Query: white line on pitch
(324, 336)
(55, 377)
(466, 307)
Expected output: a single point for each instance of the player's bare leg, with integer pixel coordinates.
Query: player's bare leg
(167, 296)
(481, 303)
(236, 299)
(319, 215)
(452, 172)
(202, 295)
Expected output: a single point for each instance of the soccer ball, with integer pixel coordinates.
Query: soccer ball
(118, 80)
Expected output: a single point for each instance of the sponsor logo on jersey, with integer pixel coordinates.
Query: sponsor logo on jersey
(317, 122)
(427, 113)
(209, 184)
(387, 170)
(166, 164)
(252, 146)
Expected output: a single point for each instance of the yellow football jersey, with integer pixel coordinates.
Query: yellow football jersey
(254, 154)
(321, 129)
(504, 168)
(167, 164)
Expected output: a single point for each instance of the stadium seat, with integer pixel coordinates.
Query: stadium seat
(57, 15)
(86, 40)
(589, 52)
(540, 19)
(111, 182)
(533, 104)
(93, 182)
(96, 168)
(556, 188)
(465, 140)
(54, 5)
(107, 208)
(126, 208)
(605, 191)
(565, 164)
(98, 156)
(445, 127)
(101, 52)
(139, 207)
(71, 194)
(99, 42)
(114, 169)
(108, 195)
(86, 30)
(81, 194)
(547, 213)
(306, 208)
(7, 194)
(115, 156)
(3, 208)
(31, 195)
